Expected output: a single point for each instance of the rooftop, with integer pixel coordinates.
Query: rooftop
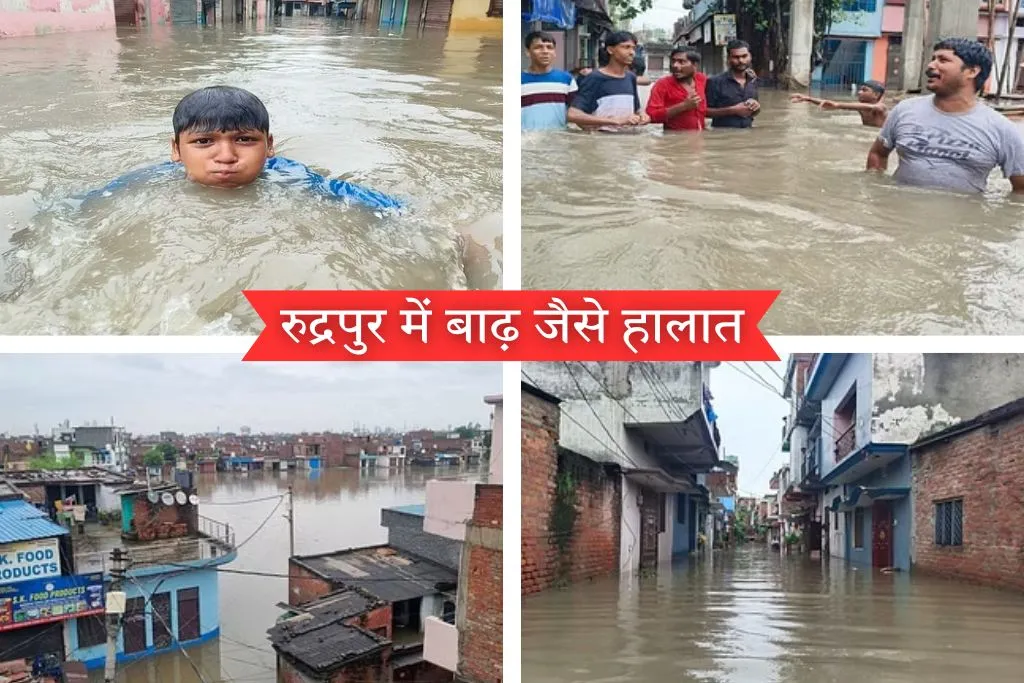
(92, 549)
(83, 475)
(381, 571)
(22, 521)
(318, 637)
(417, 510)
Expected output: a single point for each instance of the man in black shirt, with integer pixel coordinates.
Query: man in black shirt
(732, 95)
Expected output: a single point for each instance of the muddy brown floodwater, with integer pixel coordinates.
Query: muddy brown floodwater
(756, 617)
(786, 205)
(413, 114)
(334, 509)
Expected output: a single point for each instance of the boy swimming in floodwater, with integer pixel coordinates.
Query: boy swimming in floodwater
(869, 104)
(222, 139)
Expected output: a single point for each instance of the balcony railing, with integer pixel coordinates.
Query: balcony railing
(217, 531)
(846, 443)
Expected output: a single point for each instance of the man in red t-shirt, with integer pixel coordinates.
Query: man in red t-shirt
(677, 100)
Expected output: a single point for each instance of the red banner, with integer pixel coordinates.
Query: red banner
(614, 325)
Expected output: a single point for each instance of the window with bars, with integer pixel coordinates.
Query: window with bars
(860, 5)
(949, 522)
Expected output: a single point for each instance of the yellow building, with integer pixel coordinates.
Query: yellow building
(479, 16)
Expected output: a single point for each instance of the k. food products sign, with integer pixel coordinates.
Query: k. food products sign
(27, 561)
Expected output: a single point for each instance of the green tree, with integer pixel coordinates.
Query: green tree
(628, 10)
(154, 458)
(765, 23)
(50, 462)
(168, 452)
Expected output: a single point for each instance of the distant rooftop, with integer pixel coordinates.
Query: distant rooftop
(319, 638)
(82, 475)
(381, 571)
(418, 510)
(22, 521)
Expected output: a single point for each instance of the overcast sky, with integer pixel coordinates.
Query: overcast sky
(750, 419)
(663, 14)
(199, 393)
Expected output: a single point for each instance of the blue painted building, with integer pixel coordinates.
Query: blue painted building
(853, 51)
(171, 586)
(863, 476)
(853, 418)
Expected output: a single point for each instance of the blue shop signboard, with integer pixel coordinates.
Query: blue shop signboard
(29, 603)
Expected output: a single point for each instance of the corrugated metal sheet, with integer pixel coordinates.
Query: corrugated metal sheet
(21, 521)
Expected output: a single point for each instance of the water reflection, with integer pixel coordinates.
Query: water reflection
(785, 205)
(754, 617)
(417, 115)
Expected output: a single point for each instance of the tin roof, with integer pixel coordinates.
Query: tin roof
(320, 640)
(22, 521)
(383, 572)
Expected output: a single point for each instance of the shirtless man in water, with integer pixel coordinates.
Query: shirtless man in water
(869, 104)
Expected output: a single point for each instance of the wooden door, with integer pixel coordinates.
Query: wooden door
(881, 534)
(188, 614)
(649, 530)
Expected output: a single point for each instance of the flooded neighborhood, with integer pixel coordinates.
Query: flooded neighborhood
(772, 144)
(408, 109)
(250, 554)
(831, 517)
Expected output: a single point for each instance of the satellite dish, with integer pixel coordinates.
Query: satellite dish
(167, 499)
(154, 497)
(194, 499)
(180, 498)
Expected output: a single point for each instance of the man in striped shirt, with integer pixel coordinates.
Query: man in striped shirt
(546, 92)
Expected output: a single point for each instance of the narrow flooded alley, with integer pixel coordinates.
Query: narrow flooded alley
(751, 615)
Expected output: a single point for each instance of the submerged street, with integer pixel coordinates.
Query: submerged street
(415, 114)
(750, 615)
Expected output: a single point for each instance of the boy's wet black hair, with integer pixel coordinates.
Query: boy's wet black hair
(220, 108)
(875, 87)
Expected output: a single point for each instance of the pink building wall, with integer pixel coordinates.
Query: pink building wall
(37, 17)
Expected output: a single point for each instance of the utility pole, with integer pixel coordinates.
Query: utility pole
(115, 611)
(291, 524)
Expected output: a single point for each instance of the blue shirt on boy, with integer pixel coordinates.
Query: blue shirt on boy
(277, 169)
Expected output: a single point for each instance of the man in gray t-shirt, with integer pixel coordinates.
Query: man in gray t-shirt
(950, 140)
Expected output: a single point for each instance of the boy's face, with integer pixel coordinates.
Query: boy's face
(223, 158)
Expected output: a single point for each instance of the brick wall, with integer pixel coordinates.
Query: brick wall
(480, 635)
(377, 620)
(593, 549)
(985, 467)
(370, 671)
(538, 439)
(162, 521)
(304, 586)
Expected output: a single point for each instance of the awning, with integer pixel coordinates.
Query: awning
(865, 496)
(561, 13)
(863, 462)
(660, 481)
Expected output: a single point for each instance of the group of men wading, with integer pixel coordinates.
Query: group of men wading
(948, 140)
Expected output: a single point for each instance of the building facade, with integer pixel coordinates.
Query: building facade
(651, 425)
(469, 646)
(849, 436)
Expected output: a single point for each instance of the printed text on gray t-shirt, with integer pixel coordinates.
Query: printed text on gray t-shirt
(951, 151)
